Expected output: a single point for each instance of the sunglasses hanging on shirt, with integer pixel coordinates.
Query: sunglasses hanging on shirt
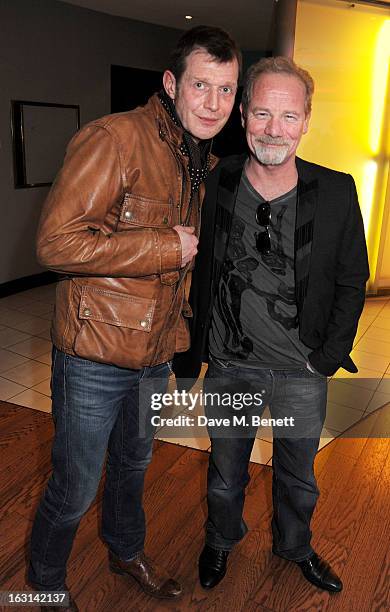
(263, 218)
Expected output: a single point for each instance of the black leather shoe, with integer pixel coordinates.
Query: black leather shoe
(212, 566)
(318, 571)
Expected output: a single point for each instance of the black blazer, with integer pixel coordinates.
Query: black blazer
(331, 265)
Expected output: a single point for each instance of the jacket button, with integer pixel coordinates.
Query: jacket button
(128, 214)
(143, 323)
(87, 312)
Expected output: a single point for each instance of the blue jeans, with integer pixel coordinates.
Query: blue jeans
(95, 410)
(296, 393)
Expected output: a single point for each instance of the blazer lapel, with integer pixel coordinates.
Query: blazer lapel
(304, 226)
(226, 201)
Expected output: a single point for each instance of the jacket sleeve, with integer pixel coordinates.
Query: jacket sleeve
(352, 273)
(74, 236)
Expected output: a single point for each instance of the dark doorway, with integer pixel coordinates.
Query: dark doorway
(132, 87)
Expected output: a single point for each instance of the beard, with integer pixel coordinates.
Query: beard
(271, 156)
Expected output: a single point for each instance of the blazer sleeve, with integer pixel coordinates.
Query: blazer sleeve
(352, 273)
(74, 235)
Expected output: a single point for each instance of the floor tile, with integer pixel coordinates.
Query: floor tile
(384, 313)
(32, 347)
(377, 333)
(359, 336)
(339, 418)
(34, 326)
(46, 334)
(197, 443)
(370, 360)
(384, 385)
(43, 387)
(45, 358)
(9, 336)
(367, 319)
(378, 400)
(363, 326)
(48, 316)
(10, 360)
(382, 322)
(9, 388)
(9, 317)
(16, 301)
(29, 373)
(265, 432)
(37, 308)
(327, 436)
(365, 378)
(349, 395)
(261, 452)
(32, 399)
(374, 346)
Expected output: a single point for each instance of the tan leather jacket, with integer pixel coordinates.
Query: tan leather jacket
(107, 224)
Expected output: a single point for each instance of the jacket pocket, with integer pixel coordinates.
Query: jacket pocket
(114, 308)
(115, 327)
(147, 212)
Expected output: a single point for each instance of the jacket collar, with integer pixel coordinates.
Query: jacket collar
(307, 184)
(167, 130)
(307, 193)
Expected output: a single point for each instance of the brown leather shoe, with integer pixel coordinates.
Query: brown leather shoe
(153, 580)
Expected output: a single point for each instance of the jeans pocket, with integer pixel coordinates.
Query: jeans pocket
(313, 372)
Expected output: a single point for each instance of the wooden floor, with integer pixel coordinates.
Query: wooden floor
(351, 528)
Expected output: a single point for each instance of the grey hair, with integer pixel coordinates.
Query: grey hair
(276, 65)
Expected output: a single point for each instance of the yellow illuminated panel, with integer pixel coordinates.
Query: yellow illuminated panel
(346, 49)
(379, 92)
(369, 173)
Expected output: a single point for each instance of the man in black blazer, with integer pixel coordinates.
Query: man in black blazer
(277, 291)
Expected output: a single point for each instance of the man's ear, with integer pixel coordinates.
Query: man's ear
(306, 123)
(242, 117)
(169, 83)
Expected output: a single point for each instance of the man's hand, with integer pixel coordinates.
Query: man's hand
(189, 243)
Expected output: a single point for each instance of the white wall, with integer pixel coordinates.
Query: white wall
(55, 52)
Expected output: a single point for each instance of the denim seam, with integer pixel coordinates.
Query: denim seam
(276, 510)
(117, 496)
(60, 513)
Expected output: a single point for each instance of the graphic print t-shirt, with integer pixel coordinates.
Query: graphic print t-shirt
(254, 319)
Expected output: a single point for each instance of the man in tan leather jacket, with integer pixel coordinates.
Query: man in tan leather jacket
(121, 222)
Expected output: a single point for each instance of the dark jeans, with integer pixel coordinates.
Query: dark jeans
(289, 393)
(95, 408)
